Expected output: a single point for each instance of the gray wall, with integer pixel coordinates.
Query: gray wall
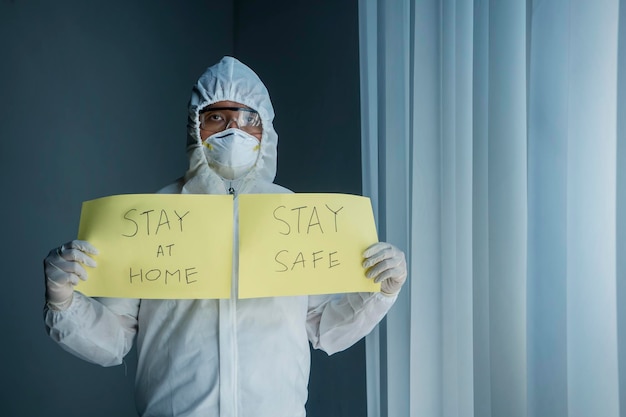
(81, 83)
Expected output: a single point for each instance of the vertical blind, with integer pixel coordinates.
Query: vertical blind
(493, 151)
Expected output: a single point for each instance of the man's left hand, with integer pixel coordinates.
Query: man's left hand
(386, 264)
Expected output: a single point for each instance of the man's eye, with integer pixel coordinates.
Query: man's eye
(253, 119)
(214, 117)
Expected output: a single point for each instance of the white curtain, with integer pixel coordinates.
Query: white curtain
(494, 153)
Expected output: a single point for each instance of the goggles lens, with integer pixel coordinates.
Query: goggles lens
(217, 119)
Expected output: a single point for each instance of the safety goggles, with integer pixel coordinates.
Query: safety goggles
(217, 119)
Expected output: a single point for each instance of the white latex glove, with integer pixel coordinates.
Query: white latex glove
(63, 267)
(385, 264)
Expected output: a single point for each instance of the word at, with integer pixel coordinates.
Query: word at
(161, 250)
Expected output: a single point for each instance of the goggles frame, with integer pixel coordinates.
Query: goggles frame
(241, 123)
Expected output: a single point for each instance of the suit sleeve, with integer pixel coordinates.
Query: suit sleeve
(98, 330)
(336, 322)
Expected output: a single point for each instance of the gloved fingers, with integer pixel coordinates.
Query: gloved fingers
(65, 264)
(378, 252)
(61, 270)
(375, 252)
(79, 251)
(81, 245)
(74, 251)
(388, 268)
(376, 247)
(397, 274)
(386, 265)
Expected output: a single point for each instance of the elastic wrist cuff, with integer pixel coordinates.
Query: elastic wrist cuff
(62, 306)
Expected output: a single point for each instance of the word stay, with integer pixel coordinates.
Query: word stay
(152, 221)
(305, 219)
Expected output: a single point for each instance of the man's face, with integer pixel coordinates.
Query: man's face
(222, 115)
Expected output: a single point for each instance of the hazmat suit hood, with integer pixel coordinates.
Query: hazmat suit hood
(229, 80)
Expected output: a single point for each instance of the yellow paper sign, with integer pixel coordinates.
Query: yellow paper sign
(159, 246)
(297, 244)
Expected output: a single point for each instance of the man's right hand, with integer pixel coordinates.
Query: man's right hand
(63, 267)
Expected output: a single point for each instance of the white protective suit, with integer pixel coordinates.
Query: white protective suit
(227, 358)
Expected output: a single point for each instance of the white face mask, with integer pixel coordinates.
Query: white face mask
(232, 153)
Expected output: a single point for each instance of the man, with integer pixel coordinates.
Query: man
(230, 357)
